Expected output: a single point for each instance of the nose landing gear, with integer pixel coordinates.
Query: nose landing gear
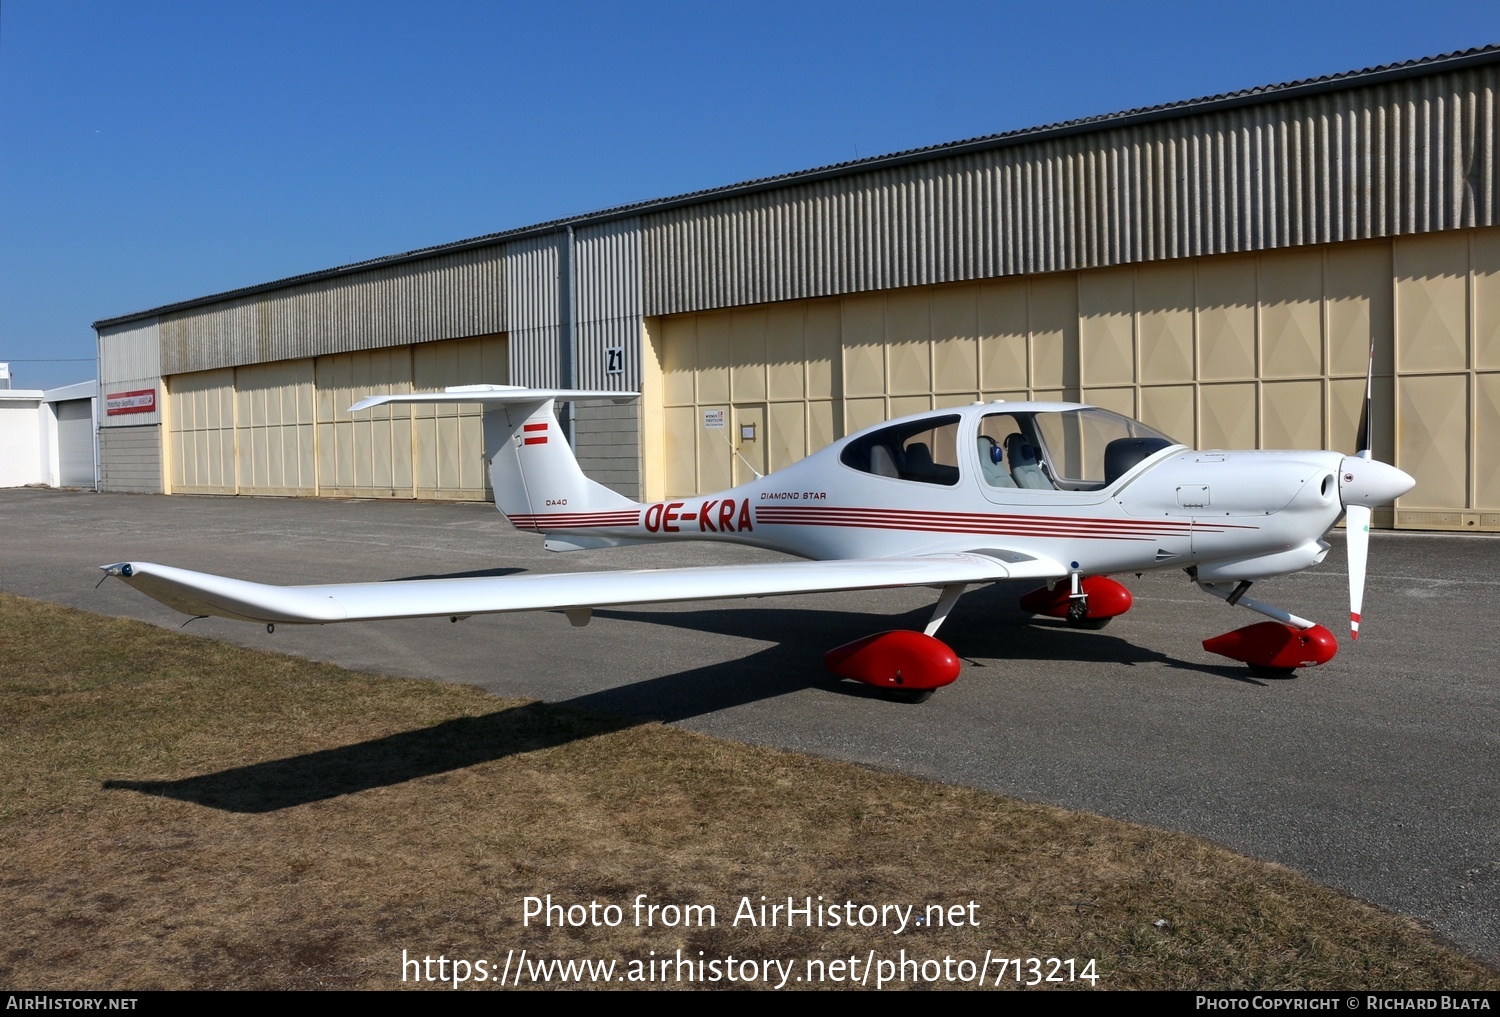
(1273, 649)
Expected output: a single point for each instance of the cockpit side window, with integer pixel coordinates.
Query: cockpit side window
(924, 451)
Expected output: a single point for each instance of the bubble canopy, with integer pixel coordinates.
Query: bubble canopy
(1025, 446)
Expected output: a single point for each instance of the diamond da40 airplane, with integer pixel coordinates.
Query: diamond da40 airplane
(1059, 492)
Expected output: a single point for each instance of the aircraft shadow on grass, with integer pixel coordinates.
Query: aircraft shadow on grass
(989, 630)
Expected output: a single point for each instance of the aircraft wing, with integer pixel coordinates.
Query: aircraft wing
(199, 593)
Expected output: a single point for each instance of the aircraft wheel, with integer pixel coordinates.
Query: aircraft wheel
(909, 695)
(1272, 672)
(1087, 623)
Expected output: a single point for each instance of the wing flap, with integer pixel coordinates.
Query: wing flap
(200, 593)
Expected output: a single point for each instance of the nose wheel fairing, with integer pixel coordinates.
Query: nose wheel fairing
(1272, 648)
(1275, 648)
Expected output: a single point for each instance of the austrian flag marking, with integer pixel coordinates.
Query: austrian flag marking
(536, 434)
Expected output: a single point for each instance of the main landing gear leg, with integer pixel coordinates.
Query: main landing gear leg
(1273, 649)
(1088, 602)
(907, 665)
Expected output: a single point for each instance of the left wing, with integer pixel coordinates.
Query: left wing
(199, 593)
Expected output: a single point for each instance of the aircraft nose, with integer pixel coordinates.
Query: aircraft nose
(1370, 482)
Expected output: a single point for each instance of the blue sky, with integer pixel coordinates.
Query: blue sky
(153, 151)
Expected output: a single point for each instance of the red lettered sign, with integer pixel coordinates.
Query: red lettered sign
(142, 401)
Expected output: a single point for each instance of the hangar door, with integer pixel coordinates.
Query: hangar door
(1246, 351)
(766, 380)
(285, 428)
(200, 432)
(432, 450)
(75, 442)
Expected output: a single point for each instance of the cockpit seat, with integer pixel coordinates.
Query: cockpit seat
(918, 464)
(1025, 468)
(992, 463)
(882, 463)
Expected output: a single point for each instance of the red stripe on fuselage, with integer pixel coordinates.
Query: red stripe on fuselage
(575, 520)
(983, 522)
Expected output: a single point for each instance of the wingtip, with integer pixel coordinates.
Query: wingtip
(123, 569)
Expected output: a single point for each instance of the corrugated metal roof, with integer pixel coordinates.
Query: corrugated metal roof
(1188, 107)
(1392, 158)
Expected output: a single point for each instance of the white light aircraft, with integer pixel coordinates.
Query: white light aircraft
(1058, 492)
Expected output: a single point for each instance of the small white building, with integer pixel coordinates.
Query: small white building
(49, 436)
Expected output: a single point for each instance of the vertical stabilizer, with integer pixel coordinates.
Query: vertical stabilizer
(536, 478)
(537, 481)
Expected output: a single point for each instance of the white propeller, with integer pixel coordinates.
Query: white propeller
(1357, 535)
(1364, 482)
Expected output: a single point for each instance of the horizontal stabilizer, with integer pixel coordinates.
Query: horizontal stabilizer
(493, 394)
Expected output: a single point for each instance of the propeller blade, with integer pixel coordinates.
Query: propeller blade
(1364, 441)
(1357, 516)
(1357, 535)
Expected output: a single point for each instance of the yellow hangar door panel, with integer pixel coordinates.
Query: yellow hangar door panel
(365, 454)
(274, 430)
(749, 439)
(754, 388)
(448, 457)
(200, 433)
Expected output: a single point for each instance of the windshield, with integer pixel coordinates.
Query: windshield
(1077, 440)
(1079, 449)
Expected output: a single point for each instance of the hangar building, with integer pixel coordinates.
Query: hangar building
(1217, 267)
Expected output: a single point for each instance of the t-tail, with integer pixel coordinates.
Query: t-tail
(537, 481)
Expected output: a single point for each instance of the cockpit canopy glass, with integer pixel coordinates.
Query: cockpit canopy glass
(1075, 450)
(925, 451)
(1070, 450)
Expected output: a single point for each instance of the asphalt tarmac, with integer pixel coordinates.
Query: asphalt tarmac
(1378, 774)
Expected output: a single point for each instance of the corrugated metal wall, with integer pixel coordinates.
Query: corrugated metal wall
(448, 295)
(129, 361)
(606, 437)
(531, 281)
(609, 304)
(130, 459)
(1394, 158)
(1397, 158)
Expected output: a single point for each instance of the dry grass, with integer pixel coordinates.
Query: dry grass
(179, 813)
